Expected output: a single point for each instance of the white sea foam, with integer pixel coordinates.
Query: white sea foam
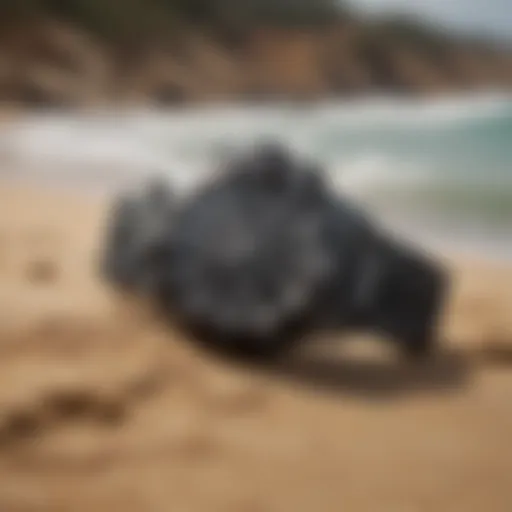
(373, 149)
(150, 139)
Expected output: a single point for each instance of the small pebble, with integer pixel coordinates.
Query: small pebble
(42, 272)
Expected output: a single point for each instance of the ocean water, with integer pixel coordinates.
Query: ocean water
(438, 171)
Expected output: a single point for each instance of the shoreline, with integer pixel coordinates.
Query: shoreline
(85, 184)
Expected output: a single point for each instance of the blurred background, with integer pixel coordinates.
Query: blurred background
(406, 104)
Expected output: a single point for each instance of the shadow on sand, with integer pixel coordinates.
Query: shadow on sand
(328, 370)
(446, 372)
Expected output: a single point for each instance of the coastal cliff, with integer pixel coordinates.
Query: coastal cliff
(56, 62)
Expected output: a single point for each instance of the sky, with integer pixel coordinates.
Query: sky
(493, 17)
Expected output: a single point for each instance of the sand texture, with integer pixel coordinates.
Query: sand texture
(104, 409)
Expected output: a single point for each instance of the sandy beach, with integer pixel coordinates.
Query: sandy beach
(102, 408)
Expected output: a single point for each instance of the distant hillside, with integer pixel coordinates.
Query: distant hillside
(92, 52)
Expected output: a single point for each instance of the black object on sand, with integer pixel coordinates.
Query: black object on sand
(258, 259)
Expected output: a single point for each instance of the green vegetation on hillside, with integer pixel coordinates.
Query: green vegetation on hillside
(114, 18)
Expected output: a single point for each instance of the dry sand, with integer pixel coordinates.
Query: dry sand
(102, 409)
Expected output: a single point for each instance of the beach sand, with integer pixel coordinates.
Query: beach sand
(102, 408)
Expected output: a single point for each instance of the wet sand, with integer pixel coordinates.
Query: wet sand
(102, 408)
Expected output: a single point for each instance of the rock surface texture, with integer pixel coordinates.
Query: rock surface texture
(267, 254)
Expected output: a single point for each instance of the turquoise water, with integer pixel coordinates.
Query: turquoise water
(437, 170)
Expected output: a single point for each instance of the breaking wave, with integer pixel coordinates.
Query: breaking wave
(450, 157)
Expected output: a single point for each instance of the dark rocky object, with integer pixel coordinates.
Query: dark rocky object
(137, 229)
(256, 260)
